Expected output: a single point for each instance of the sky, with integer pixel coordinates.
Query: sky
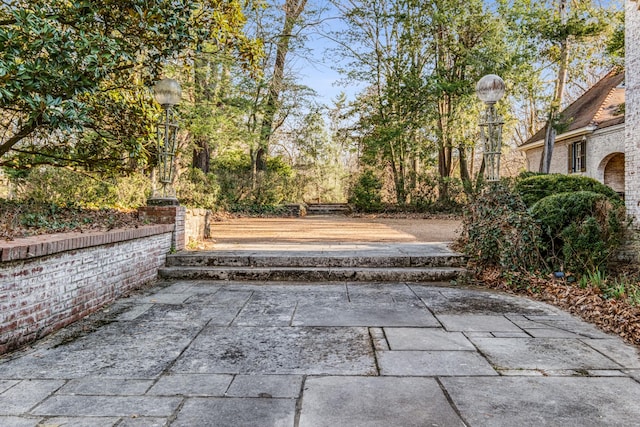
(316, 67)
(317, 73)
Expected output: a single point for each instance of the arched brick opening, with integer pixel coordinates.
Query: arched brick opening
(614, 172)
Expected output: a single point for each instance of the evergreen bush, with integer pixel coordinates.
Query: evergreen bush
(365, 194)
(196, 189)
(426, 196)
(581, 229)
(535, 187)
(233, 175)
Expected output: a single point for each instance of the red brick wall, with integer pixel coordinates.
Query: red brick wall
(48, 282)
(614, 173)
(167, 215)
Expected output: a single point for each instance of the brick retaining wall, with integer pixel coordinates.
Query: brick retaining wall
(167, 215)
(48, 282)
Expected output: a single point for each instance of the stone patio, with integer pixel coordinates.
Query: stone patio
(199, 353)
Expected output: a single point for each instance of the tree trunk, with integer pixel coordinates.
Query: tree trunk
(201, 156)
(480, 176)
(556, 103)
(465, 176)
(444, 169)
(213, 80)
(399, 173)
(293, 9)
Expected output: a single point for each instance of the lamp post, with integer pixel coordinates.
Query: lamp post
(167, 93)
(490, 89)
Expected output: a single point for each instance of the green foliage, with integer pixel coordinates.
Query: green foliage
(624, 286)
(538, 186)
(566, 228)
(420, 62)
(233, 175)
(48, 185)
(615, 44)
(535, 29)
(23, 218)
(44, 216)
(557, 211)
(593, 278)
(258, 209)
(196, 189)
(320, 161)
(365, 193)
(118, 137)
(528, 174)
(583, 247)
(614, 291)
(131, 191)
(582, 229)
(498, 230)
(275, 186)
(425, 198)
(278, 185)
(64, 187)
(65, 65)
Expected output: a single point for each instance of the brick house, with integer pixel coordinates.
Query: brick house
(592, 142)
(632, 110)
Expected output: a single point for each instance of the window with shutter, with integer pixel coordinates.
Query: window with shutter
(578, 156)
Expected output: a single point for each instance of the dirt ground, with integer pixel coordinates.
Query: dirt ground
(334, 229)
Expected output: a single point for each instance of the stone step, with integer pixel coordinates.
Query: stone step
(328, 209)
(314, 274)
(314, 262)
(238, 259)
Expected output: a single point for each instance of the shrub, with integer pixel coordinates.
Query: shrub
(258, 209)
(132, 191)
(233, 173)
(581, 229)
(426, 196)
(196, 189)
(536, 187)
(63, 187)
(277, 185)
(498, 230)
(365, 194)
(59, 186)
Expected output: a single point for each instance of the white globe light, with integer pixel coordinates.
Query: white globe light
(490, 88)
(167, 92)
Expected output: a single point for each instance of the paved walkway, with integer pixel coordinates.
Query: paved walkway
(198, 353)
(333, 229)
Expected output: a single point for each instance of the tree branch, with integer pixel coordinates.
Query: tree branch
(23, 133)
(70, 161)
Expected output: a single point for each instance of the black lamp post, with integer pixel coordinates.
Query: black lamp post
(490, 89)
(167, 93)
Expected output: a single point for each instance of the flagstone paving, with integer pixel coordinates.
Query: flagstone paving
(199, 353)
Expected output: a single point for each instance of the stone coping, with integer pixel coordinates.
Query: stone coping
(49, 244)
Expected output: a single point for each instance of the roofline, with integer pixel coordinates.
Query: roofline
(616, 74)
(577, 132)
(607, 129)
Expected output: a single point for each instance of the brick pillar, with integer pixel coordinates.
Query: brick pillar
(632, 110)
(167, 215)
